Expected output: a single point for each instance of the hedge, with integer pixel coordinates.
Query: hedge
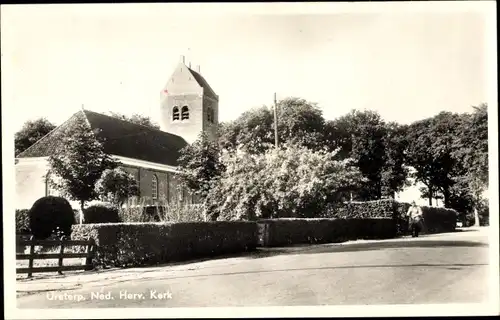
(435, 219)
(101, 213)
(281, 232)
(438, 220)
(136, 244)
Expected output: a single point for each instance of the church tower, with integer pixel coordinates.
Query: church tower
(188, 105)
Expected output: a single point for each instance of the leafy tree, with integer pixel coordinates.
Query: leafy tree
(78, 163)
(471, 157)
(299, 121)
(31, 132)
(116, 186)
(362, 138)
(200, 164)
(290, 181)
(431, 143)
(137, 119)
(395, 173)
(253, 130)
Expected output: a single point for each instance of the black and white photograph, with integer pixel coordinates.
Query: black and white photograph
(250, 159)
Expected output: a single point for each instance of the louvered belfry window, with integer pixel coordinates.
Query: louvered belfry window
(185, 113)
(175, 113)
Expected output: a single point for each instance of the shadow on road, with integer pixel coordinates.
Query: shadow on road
(326, 248)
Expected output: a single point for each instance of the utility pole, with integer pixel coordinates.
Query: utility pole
(275, 122)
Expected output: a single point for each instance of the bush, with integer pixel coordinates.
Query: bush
(162, 212)
(435, 219)
(280, 232)
(290, 181)
(22, 221)
(136, 244)
(438, 220)
(101, 213)
(51, 215)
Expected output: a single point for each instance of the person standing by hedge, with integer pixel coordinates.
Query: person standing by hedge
(415, 216)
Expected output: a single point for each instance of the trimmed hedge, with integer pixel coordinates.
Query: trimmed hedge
(438, 220)
(101, 214)
(435, 219)
(136, 244)
(282, 232)
(51, 215)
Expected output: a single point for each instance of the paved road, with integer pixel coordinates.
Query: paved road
(445, 268)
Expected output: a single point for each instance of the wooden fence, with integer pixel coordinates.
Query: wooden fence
(61, 255)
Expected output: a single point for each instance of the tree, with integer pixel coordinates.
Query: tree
(78, 163)
(395, 173)
(200, 164)
(299, 122)
(137, 119)
(31, 132)
(289, 181)
(116, 186)
(362, 138)
(431, 143)
(471, 157)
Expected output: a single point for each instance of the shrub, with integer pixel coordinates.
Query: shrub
(50, 215)
(161, 212)
(22, 221)
(135, 244)
(101, 213)
(365, 209)
(439, 219)
(291, 181)
(279, 232)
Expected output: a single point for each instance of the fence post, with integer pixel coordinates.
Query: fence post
(91, 248)
(32, 254)
(61, 255)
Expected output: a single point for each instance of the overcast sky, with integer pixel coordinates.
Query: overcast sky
(405, 64)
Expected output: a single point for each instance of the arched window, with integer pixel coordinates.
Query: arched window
(154, 187)
(185, 113)
(175, 113)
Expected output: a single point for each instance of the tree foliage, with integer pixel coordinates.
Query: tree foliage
(378, 149)
(291, 181)
(450, 154)
(137, 119)
(31, 132)
(78, 163)
(299, 122)
(200, 165)
(116, 186)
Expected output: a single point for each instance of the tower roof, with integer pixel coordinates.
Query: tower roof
(121, 138)
(203, 83)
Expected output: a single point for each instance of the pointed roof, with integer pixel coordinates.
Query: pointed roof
(121, 138)
(203, 83)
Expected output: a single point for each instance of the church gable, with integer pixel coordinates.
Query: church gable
(185, 80)
(182, 82)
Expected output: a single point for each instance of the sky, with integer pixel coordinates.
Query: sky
(406, 64)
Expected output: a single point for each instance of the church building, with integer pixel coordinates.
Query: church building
(188, 106)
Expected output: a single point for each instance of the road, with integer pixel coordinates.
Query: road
(443, 268)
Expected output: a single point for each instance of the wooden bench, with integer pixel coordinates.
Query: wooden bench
(61, 255)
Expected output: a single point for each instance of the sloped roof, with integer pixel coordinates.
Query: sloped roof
(203, 83)
(121, 138)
